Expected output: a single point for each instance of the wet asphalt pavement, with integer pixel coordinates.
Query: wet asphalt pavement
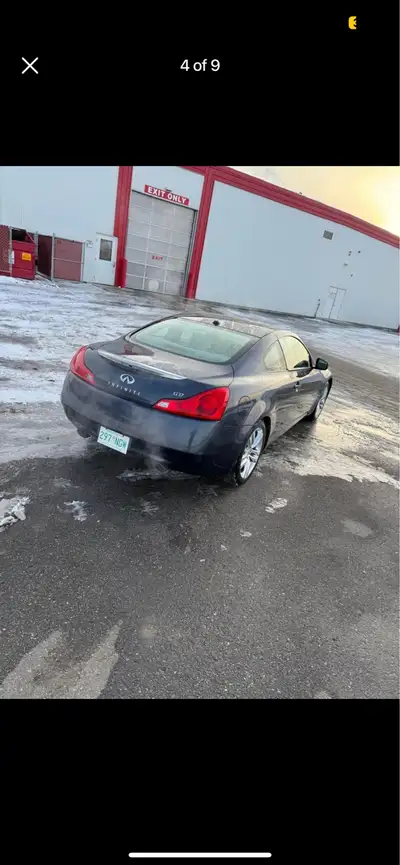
(124, 582)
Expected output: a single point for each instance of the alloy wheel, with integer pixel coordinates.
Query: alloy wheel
(251, 453)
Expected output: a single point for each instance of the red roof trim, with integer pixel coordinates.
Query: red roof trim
(293, 199)
(240, 180)
(261, 187)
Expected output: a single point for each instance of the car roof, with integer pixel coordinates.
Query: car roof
(251, 328)
(242, 326)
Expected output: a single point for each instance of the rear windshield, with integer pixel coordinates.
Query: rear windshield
(203, 342)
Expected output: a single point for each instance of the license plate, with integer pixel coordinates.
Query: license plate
(113, 440)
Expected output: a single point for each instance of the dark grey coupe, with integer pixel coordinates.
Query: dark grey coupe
(202, 395)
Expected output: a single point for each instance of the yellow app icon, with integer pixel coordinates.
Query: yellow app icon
(352, 22)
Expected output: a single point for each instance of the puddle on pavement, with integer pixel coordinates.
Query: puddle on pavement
(353, 527)
(345, 443)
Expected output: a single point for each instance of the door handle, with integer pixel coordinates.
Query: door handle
(297, 385)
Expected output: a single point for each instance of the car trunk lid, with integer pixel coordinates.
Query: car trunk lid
(145, 376)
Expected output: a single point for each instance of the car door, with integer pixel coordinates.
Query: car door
(306, 380)
(283, 398)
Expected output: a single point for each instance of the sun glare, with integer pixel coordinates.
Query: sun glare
(370, 192)
(387, 195)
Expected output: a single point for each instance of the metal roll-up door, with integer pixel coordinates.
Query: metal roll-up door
(158, 245)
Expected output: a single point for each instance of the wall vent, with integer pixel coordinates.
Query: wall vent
(328, 235)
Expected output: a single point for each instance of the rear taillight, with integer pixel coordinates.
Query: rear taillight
(209, 405)
(78, 366)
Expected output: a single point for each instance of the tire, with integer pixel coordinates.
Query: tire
(319, 404)
(244, 469)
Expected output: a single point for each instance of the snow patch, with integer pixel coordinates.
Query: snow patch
(57, 319)
(30, 283)
(12, 510)
(42, 431)
(77, 509)
(148, 507)
(276, 505)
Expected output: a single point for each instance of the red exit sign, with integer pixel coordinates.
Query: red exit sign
(166, 195)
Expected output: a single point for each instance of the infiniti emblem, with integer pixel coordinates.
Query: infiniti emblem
(127, 379)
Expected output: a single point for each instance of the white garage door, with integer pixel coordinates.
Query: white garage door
(158, 244)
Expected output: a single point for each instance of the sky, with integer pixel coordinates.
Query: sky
(372, 193)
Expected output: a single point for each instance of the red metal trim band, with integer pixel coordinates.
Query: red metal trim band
(261, 187)
(240, 180)
(124, 186)
(201, 229)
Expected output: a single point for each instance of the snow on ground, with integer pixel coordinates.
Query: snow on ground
(276, 505)
(349, 442)
(12, 510)
(77, 509)
(377, 350)
(42, 324)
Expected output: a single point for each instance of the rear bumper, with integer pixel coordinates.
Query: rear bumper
(197, 447)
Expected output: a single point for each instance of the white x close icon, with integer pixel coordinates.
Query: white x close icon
(30, 66)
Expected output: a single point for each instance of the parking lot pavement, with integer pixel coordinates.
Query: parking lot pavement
(123, 581)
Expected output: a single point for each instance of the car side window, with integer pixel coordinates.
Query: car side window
(296, 354)
(274, 360)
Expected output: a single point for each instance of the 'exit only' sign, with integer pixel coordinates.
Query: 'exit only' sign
(167, 196)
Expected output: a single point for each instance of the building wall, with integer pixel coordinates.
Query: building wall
(260, 253)
(69, 201)
(257, 251)
(179, 180)
(72, 202)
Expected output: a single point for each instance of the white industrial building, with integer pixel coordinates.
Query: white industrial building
(208, 232)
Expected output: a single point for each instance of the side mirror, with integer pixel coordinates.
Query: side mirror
(320, 363)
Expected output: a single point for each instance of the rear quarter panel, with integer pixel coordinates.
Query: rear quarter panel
(256, 393)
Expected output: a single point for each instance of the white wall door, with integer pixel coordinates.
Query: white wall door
(338, 302)
(105, 257)
(333, 302)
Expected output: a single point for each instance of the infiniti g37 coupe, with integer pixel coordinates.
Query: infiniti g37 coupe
(201, 395)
